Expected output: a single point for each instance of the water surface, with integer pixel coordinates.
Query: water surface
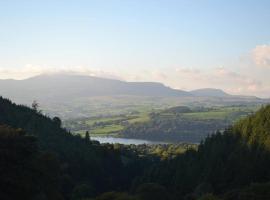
(127, 141)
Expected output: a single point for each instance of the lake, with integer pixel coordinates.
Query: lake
(127, 141)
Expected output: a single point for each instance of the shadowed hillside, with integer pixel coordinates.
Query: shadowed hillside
(225, 163)
(53, 164)
(81, 162)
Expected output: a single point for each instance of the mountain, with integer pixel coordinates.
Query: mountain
(210, 92)
(62, 86)
(77, 96)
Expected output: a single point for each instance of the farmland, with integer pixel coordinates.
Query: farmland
(180, 123)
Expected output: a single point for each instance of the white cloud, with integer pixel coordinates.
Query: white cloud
(159, 75)
(233, 82)
(261, 55)
(219, 77)
(187, 70)
(30, 70)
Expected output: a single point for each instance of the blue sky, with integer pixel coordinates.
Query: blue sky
(145, 40)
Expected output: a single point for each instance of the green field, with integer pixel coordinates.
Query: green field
(110, 129)
(115, 124)
(186, 124)
(94, 121)
(229, 113)
(110, 125)
(208, 115)
(139, 119)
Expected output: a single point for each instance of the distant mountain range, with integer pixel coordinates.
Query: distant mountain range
(210, 92)
(71, 93)
(67, 86)
(70, 86)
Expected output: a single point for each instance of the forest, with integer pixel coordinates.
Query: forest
(41, 160)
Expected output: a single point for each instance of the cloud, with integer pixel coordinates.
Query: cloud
(219, 77)
(159, 75)
(222, 74)
(261, 55)
(230, 81)
(187, 71)
(30, 70)
(234, 82)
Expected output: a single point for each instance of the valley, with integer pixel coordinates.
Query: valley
(58, 164)
(134, 100)
(175, 124)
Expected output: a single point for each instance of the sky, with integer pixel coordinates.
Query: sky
(185, 44)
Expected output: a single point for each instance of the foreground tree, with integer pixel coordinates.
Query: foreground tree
(25, 172)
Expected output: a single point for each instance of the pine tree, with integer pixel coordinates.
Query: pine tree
(87, 137)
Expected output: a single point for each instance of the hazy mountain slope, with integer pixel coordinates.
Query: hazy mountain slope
(60, 87)
(210, 92)
(76, 96)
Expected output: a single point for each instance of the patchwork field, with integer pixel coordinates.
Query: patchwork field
(172, 124)
(111, 125)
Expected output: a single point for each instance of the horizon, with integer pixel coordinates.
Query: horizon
(185, 45)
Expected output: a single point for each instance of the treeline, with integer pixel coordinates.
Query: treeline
(155, 151)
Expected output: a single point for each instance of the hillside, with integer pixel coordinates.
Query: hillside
(184, 124)
(226, 164)
(209, 92)
(81, 162)
(61, 86)
(256, 128)
(53, 164)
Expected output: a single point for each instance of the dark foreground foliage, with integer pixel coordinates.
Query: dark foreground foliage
(40, 160)
(26, 173)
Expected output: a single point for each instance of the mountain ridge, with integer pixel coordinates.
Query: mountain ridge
(109, 86)
(94, 86)
(75, 96)
(210, 92)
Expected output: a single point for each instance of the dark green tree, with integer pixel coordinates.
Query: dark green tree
(87, 137)
(57, 121)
